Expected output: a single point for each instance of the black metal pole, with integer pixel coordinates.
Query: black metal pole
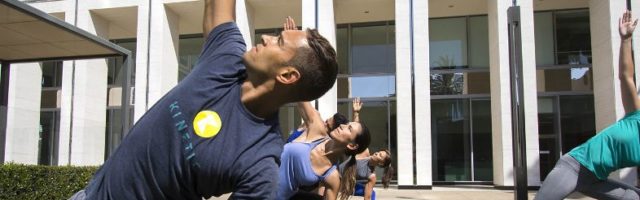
(126, 92)
(4, 102)
(517, 104)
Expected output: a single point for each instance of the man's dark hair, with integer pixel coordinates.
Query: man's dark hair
(317, 65)
(338, 119)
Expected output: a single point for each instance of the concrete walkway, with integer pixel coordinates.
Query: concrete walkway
(447, 193)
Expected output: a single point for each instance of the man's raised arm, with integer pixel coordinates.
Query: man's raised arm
(217, 12)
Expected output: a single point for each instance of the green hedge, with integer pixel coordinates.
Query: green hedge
(42, 182)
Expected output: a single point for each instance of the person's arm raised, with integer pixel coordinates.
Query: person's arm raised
(357, 106)
(368, 189)
(217, 12)
(332, 185)
(310, 115)
(628, 88)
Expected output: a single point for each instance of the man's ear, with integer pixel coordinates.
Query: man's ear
(288, 75)
(352, 146)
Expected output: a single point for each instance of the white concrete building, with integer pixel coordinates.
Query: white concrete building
(434, 77)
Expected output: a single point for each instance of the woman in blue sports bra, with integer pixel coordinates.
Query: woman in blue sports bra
(312, 157)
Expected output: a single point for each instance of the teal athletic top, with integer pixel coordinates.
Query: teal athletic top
(616, 147)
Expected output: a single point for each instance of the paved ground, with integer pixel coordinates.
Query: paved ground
(448, 193)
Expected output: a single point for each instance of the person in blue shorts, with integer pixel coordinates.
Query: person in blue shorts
(217, 131)
(585, 168)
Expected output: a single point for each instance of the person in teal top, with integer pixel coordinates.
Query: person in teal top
(585, 168)
(613, 148)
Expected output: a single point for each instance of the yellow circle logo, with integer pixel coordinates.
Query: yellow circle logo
(207, 124)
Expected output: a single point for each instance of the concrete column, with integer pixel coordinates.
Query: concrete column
(244, 19)
(23, 113)
(422, 92)
(89, 98)
(605, 45)
(503, 173)
(530, 96)
(404, 94)
(319, 14)
(142, 61)
(500, 93)
(66, 94)
(65, 111)
(163, 52)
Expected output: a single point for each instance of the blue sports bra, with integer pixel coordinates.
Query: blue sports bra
(295, 134)
(296, 169)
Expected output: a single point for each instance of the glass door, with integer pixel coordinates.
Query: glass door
(564, 122)
(461, 135)
(482, 151)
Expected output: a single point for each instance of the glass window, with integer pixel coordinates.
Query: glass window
(565, 79)
(189, 51)
(577, 117)
(573, 37)
(547, 134)
(481, 138)
(564, 122)
(391, 47)
(479, 42)
(114, 129)
(371, 51)
(48, 138)
(116, 71)
(290, 119)
(543, 22)
(460, 83)
(447, 83)
(448, 43)
(461, 135)
(367, 86)
(342, 39)
(51, 74)
(450, 135)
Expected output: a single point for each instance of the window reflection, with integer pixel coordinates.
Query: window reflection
(115, 64)
(48, 137)
(371, 52)
(367, 86)
(459, 83)
(573, 37)
(51, 74)
(448, 43)
(189, 52)
(565, 79)
(459, 55)
(450, 135)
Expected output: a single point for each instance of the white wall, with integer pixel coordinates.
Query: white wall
(23, 113)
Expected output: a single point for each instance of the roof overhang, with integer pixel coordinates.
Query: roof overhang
(28, 34)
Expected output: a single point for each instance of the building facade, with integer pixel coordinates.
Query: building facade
(433, 75)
